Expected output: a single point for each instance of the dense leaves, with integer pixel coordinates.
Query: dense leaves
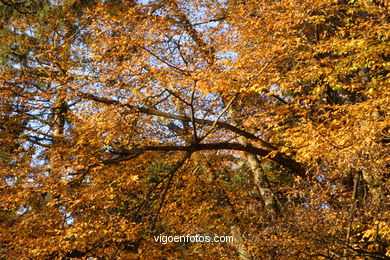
(264, 120)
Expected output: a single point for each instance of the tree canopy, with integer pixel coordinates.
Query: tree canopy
(264, 120)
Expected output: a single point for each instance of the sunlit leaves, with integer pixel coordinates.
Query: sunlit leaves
(86, 85)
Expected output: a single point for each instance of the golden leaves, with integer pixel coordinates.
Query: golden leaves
(312, 79)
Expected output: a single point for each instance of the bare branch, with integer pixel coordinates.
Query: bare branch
(171, 175)
(219, 116)
(193, 114)
(275, 156)
(207, 51)
(156, 112)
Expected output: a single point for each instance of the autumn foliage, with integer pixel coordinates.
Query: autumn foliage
(264, 120)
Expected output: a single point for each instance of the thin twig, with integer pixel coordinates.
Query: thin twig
(219, 116)
(147, 197)
(171, 175)
(155, 112)
(193, 113)
(185, 72)
(177, 96)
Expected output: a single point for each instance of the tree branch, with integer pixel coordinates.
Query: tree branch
(278, 157)
(207, 51)
(155, 112)
(171, 175)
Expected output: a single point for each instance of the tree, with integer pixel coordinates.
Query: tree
(125, 120)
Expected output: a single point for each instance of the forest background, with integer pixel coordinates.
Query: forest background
(264, 120)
